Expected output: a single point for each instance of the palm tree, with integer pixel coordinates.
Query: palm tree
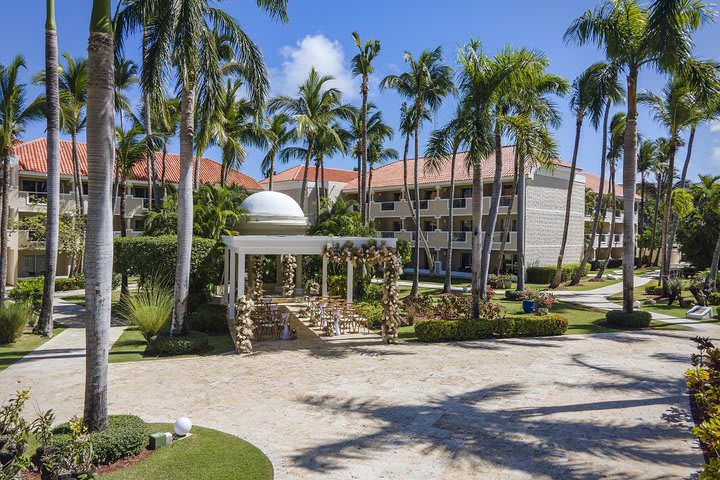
(180, 36)
(646, 157)
(426, 85)
(125, 76)
(584, 101)
(14, 115)
(660, 171)
(313, 113)
(674, 109)
(608, 91)
(377, 153)
(166, 119)
(633, 36)
(362, 66)
(52, 113)
(98, 264)
(617, 129)
(280, 135)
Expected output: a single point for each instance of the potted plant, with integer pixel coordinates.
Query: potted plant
(504, 281)
(544, 302)
(528, 299)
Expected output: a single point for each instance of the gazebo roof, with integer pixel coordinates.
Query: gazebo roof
(272, 213)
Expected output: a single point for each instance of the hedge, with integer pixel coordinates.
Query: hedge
(125, 437)
(545, 274)
(156, 257)
(508, 326)
(191, 342)
(210, 318)
(30, 290)
(372, 312)
(637, 319)
(514, 295)
(714, 298)
(653, 289)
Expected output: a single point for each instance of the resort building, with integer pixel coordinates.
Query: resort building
(546, 193)
(28, 194)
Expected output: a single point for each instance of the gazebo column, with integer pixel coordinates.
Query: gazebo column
(241, 275)
(278, 275)
(232, 281)
(299, 290)
(226, 276)
(324, 276)
(350, 271)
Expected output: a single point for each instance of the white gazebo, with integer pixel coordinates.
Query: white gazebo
(276, 225)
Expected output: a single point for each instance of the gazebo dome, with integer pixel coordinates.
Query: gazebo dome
(273, 213)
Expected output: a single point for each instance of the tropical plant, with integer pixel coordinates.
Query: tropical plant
(14, 317)
(218, 211)
(278, 136)
(362, 67)
(647, 154)
(150, 308)
(125, 76)
(165, 120)
(98, 264)
(182, 35)
(341, 218)
(52, 114)
(426, 84)
(634, 36)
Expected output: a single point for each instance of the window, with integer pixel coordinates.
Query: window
(430, 194)
(466, 225)
(140, 192)
(397, 226)
(465, 261)
(85, 188)
(466, 192)
(397, 196)
(139, 224)
(429, 225)
(32, 265)
(35, 186)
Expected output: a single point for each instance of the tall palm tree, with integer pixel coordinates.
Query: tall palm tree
(634, 36)
(98, 264)
(660, 171)
(674, 109)
(362, 67)
(313, 112)
(646, 157)
(125, 76)
(181, 35)
(52, 113)
(426, 84)
(166, 120)
(378, 133)
(280, 135)
(14, 115)
(583, 101)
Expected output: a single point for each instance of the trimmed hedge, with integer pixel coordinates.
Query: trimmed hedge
(653, 289)
(545, 274)
(514, 295)
(210, 318)
(504, 327)
(637, 319)
(545, 326)
(125, 437)
(714, 298)
(372, 312)
(191, 342)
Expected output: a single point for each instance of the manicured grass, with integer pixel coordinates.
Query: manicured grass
(28, 342)
(661, 307)
(131, 347)
(404, 291)
(584, 285)
(204, 454)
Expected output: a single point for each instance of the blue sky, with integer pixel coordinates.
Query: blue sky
(319, 34)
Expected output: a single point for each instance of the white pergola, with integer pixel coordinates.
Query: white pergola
(238, 247)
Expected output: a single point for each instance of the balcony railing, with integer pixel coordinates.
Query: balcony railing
(505, 200)
(387, 206)
(460, 203)
(460, 236)
(387, 234)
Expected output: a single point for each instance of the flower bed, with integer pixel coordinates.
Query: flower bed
(703, 381)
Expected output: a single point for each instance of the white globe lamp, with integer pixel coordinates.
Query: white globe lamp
(182, 426)
(637, 304)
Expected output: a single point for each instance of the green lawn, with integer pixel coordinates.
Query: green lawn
(28, 342)
(131, 347)
(584, 285)
(204, 454)
(662, 306)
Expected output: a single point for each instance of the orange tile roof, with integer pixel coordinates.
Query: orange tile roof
(391, 175)
(295, 174)
(32, 157)
(592, 182)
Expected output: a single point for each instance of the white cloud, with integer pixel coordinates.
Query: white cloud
(715, 126)
(317, 51)
(716, 155)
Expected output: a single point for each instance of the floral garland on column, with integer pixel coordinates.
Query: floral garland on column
(289, 263)
(258, 262)
(374, 254)
(242, 328)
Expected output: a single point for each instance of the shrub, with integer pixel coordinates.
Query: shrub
(452, 306)
(30, 291)
(539, 326)
(14, 317)
(125, 437)
(69, 283)
(545, 300)
(637, 319)
(191, 342)
(437, 330)
(540, 274)
(372, 312)
(418, 307)
(489, 311)
(371, 292)
(209, 318)
(501, 327)
(149, 309)
(714, 298)
(514, 295)
(653, 289)
(337, 285)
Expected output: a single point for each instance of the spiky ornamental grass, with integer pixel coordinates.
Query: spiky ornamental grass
(149, 309)
(14, 317)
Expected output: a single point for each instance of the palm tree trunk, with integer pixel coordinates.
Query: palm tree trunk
(196, 176)
(447, 286)
(557, 278)
(151, 182)
(666, 241)
(359, 180)
(123, 230)
(322, 178)
(492, 215)
(184, 208)
(317, 187)
(308, 156)
(79, 204)
(613, 205)
(363, 149)
(597, 214)
(98, 270)
(521, 225)
(222, 174)
(116, 178)
(641, 220)
(369, 186)
(683, 179)
(629, 178)
(4, 213)
(501, 255)
(45, 321)
(416, 263)
(476, 240)
(272, 172)
(656, 213)
(714, 266)
(164, 164)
